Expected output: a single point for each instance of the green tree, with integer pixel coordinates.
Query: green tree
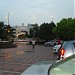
(9, 30)
(5, 30)
(45, 31)
(2, 31)
(65, 29)
(31, 32)
(34, 31)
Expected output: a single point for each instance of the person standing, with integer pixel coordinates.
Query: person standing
(33, 43)
(59, 42)
(54, 42)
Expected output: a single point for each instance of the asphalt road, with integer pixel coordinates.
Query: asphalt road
(14, 61)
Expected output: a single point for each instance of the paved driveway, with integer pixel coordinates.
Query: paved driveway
(13, 61)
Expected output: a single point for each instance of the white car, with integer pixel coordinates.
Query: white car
(67, 49)
(55, 48)
(50, 43)
(61, 67)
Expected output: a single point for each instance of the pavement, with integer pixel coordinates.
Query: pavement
(14, 61)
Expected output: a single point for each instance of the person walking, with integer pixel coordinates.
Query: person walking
(54, 42)
(33, 43)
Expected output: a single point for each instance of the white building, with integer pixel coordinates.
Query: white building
(18, 30)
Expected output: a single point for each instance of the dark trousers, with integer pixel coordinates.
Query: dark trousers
(54, 44)
(33, 46)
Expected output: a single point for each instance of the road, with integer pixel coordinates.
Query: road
(14, 61)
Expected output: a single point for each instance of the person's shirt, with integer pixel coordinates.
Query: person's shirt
(59, 42)
(33, 41)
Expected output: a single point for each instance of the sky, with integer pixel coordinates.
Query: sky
(35, 11)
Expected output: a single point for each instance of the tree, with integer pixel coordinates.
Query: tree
(9, 30)
(45, 31)
(2, 31)
(5, 30)
(34, 31)
(31, 32)
(65, 29)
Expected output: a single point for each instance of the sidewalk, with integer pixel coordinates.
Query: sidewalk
(16, 60)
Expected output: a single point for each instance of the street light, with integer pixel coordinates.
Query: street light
(8, 25)
(52, 18)
(17, 29)
(8, 17)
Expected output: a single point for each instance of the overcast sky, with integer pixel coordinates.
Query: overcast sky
(35, 11)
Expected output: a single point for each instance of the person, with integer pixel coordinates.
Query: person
(54, 42)
(59, 42)
(33, 43)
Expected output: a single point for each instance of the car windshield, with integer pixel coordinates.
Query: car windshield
(64, 67)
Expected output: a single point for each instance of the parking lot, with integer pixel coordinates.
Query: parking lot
(14, 61)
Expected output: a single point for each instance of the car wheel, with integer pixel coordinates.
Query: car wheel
(48, 45)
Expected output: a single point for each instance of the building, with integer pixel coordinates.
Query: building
(19, 30)
(29, 26)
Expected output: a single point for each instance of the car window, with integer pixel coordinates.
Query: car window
(68, 46)
(64, 44)
(64, 67)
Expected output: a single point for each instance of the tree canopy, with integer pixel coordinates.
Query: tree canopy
(65, 29)
(45, 31)
(5, 30)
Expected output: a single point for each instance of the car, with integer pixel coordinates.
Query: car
(56, 48)
(50, 43)
(60, 67)
(67, 49)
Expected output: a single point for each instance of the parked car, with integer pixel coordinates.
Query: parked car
(50, 43)
(62, 67)
(56, 48)
(67, 49)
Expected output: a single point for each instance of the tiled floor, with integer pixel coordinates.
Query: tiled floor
(13, 61)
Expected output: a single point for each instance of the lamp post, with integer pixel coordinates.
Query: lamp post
(52, 18)
(8, 25)
(17, 29)
(8, 18)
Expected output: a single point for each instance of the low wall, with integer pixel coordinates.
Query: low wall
(7, 44)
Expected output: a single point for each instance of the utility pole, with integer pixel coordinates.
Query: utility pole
(8, 18)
